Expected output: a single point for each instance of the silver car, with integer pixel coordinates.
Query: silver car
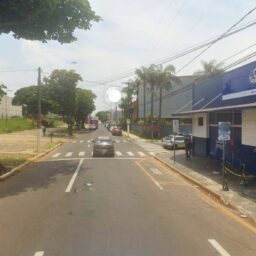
(103, 146)
(168, 141)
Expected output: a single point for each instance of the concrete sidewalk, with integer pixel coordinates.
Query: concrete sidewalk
(208, 174)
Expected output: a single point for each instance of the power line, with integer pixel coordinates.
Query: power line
(184, 52)
(216, 40)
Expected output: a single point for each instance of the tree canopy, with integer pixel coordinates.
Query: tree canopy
(209, 69)
(45, 20)
(102, 115)
(27, 96)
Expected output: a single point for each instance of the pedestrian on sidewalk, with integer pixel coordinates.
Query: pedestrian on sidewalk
(44, 125)
(188, 147)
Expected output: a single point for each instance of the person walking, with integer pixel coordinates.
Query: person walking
(188, 147)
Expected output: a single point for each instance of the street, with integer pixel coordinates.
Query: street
(69, 203)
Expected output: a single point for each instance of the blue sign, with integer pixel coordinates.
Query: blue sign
(239, 83)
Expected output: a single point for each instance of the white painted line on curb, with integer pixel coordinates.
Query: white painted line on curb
(118, 153)
(156, 171)
(82, 153)
(74, 176)
(218, 247)
(69, 154)
(56, 155)
(130, 153)
(141, 153)
(41, 253)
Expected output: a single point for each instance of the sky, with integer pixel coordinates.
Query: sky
(131, 34)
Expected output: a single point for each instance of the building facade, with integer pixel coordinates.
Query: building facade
(9, 110)
(229, 97)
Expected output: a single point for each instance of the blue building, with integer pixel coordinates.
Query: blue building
(229, 97)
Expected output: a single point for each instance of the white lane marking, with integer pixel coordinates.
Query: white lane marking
(156, 171)
(81, 141)
(118, 153)
(92, 158)
(41, 253)
(89, 141)
(125, 141)
(117, 141)
(141, 153)
(74, 176)
(130, 153)
(152, 153)
(89, 145)
(73, 141)
(82, 153)
(56, 155)
(150, 176)
(69, 154)
(218, 247)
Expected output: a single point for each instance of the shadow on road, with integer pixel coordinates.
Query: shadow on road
(37, 176)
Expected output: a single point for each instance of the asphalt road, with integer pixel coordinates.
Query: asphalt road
(71, 204)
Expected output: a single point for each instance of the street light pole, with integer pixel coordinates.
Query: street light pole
(39, 95)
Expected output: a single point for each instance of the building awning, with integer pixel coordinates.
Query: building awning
(206, 110)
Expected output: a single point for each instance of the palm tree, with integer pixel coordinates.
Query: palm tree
(142, 80)
(165, 77)
(210, 69)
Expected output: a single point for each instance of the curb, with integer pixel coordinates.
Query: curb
(209, 191)
(18, 168)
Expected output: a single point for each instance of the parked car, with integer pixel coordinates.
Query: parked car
(117, 131)
(103, 146)
(168, 141)
(111, 128)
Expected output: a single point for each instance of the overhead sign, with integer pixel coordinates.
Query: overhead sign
(175, 126)
(224, 131)
(240, 83)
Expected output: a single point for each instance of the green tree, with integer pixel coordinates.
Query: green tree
(141, 74)
(45, 20)
(165, 77)
(28, 98)
(84, 105)
(2, 92)
(102, 115)
(61, 89)
(209, 69)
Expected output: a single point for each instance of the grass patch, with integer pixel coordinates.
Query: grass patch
(15, 125)
(53, 144)
(11, 161)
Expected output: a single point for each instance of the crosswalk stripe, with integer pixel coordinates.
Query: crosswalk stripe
(88, 141)
(156, 171)
(130, 153)
(125, 141)
(69, 154)
(56, 155)
(81, 141)
(117, 141)
(82, 153)
(73, 141)
(141, 153)
(152, 153)
(118, 153)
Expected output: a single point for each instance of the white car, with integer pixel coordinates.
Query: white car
(168, 141)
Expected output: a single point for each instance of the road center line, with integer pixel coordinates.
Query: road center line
(74, 176)
(41, 253)
(152, 178)
(218, 247)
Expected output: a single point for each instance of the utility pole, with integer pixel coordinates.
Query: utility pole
(39, 95)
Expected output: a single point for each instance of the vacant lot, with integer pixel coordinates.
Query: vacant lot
(15, 125)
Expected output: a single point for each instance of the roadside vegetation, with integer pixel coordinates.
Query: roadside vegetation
(22, 124)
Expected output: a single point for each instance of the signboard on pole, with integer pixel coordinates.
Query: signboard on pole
(175, 126)
(224, 131)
